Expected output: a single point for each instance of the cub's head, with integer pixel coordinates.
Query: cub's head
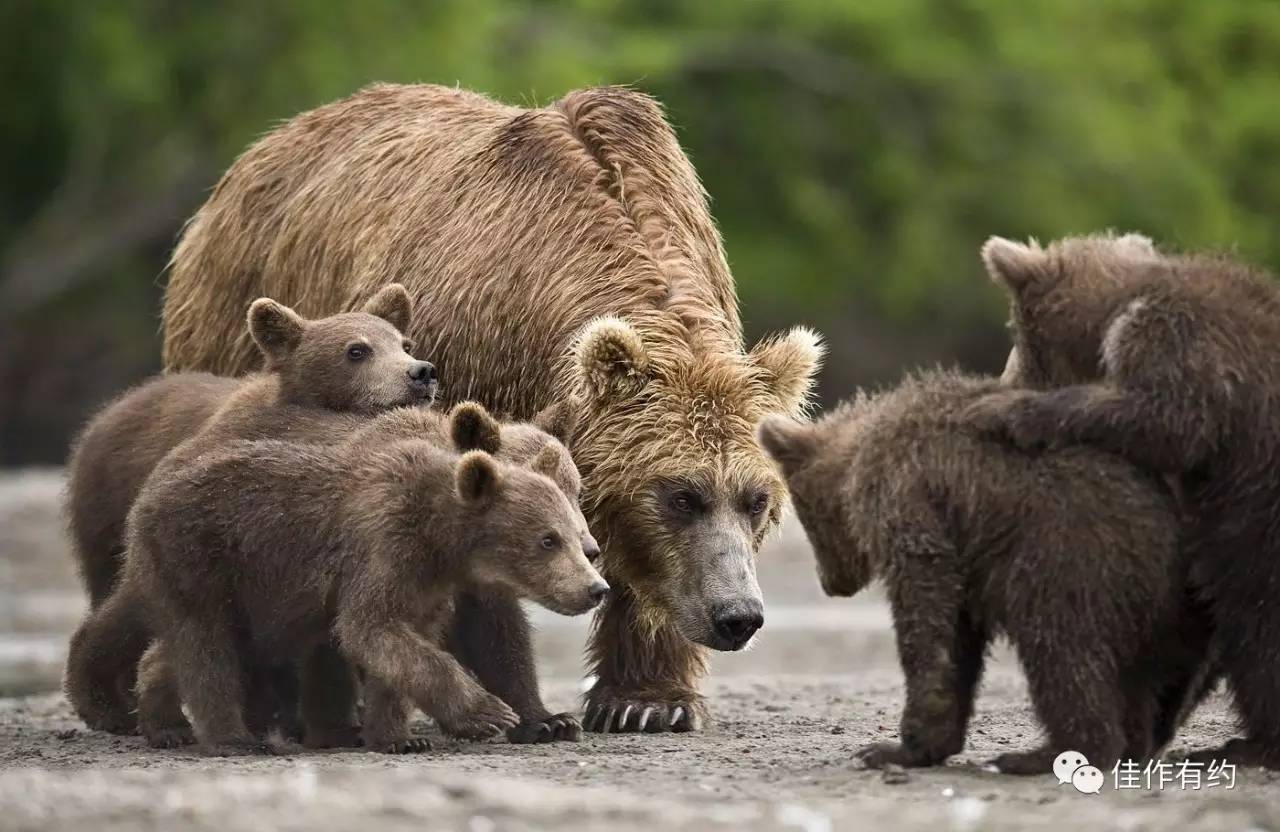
(354, 361)
(675, 483)
(1063, 298)
(818, 477)
(529, 535)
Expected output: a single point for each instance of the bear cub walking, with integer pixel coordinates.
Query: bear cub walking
(258, 551)
(1072, 554)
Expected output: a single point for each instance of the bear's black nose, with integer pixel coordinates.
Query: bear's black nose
(590, 548)
(598, 591)
(737, 622)
(422, 371)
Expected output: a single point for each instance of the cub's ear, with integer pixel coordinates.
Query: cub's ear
(275, 328)
(790, 363)
(547, 461)
(790, 443)
(612, 361)
(1014, 265)
(557, 420)
(393, 305)
(477, 478)
(472, 428)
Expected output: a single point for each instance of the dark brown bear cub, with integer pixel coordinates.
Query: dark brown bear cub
(1172, 362)
(255, 552)
(1071, 554)
(353, 363)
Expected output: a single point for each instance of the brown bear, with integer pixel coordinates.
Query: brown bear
(502, 662)
(1072, 554)
(569, 254)
(259, 550)
(317, 371)
(121, 445)
(1170, 361)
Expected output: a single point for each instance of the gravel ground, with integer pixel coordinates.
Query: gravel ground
(788, 716)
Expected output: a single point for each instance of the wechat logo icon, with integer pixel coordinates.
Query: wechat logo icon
(1073, 767)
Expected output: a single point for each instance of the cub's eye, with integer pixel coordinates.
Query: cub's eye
(408, 347)
(758, 504)
(358, 352)
(551, 541)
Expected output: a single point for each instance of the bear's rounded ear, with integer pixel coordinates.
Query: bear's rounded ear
(472, 428)
(476, 477)
(790, 363)
(393, 305)
(557, 420)
(275, 328)
(1014, 265)
(790, 443)
(612, 361)
(547, 461)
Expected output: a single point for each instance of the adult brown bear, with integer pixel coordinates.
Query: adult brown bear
(562, 253)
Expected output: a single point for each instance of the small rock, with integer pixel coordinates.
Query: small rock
(837, 729)
(66, 734)
(894, 775)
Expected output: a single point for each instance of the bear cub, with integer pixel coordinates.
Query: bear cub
(1072, 554)
(256, 552)
(1169, 360)
(315, 371)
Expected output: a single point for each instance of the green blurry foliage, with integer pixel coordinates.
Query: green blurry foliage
(857, 152)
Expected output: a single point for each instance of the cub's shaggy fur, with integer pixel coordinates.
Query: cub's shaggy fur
(335, 368)
(260, 550)
(518, 229)
(1071, 554)
(1171, 361)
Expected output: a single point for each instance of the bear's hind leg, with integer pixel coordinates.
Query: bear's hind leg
(209, 672)
(160, 716)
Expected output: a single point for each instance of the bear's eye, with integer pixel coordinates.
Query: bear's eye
(550, 541)
(757, 504)
(408, 347)
(684, 501)
(358, 352)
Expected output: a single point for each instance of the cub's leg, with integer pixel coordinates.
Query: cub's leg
(328, 699)
(940, 653)
(402, 659)
(491, 638)
(386, 721)
(209, 671)
(102, 663)
(160, 716)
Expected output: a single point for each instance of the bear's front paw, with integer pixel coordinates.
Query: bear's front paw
(488, 717)
(1020, 417)
(559, 727)
(881, 754)
(171, 736)
(627, 715)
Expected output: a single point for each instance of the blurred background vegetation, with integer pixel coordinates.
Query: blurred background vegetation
(857, 151)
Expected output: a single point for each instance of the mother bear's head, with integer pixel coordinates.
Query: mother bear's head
(676, 486)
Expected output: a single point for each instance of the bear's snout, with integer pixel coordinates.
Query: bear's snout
(422, 372)
(737, 621)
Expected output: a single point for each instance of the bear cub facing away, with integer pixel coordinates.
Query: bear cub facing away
(258, 551)
(1072, 554)
(315, 372)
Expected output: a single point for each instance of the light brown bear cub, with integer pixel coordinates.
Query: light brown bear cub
(257, 551)
(316, 371)
(1071, 554)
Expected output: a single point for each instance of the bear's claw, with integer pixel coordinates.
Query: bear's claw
(559, 727)
(644, 717)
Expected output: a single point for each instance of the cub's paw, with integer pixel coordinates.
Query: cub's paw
(562, 727)
(882, 754)
(170, 736)
(1020, 417)
(489, 717)
(622, 716)
(333, 736)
